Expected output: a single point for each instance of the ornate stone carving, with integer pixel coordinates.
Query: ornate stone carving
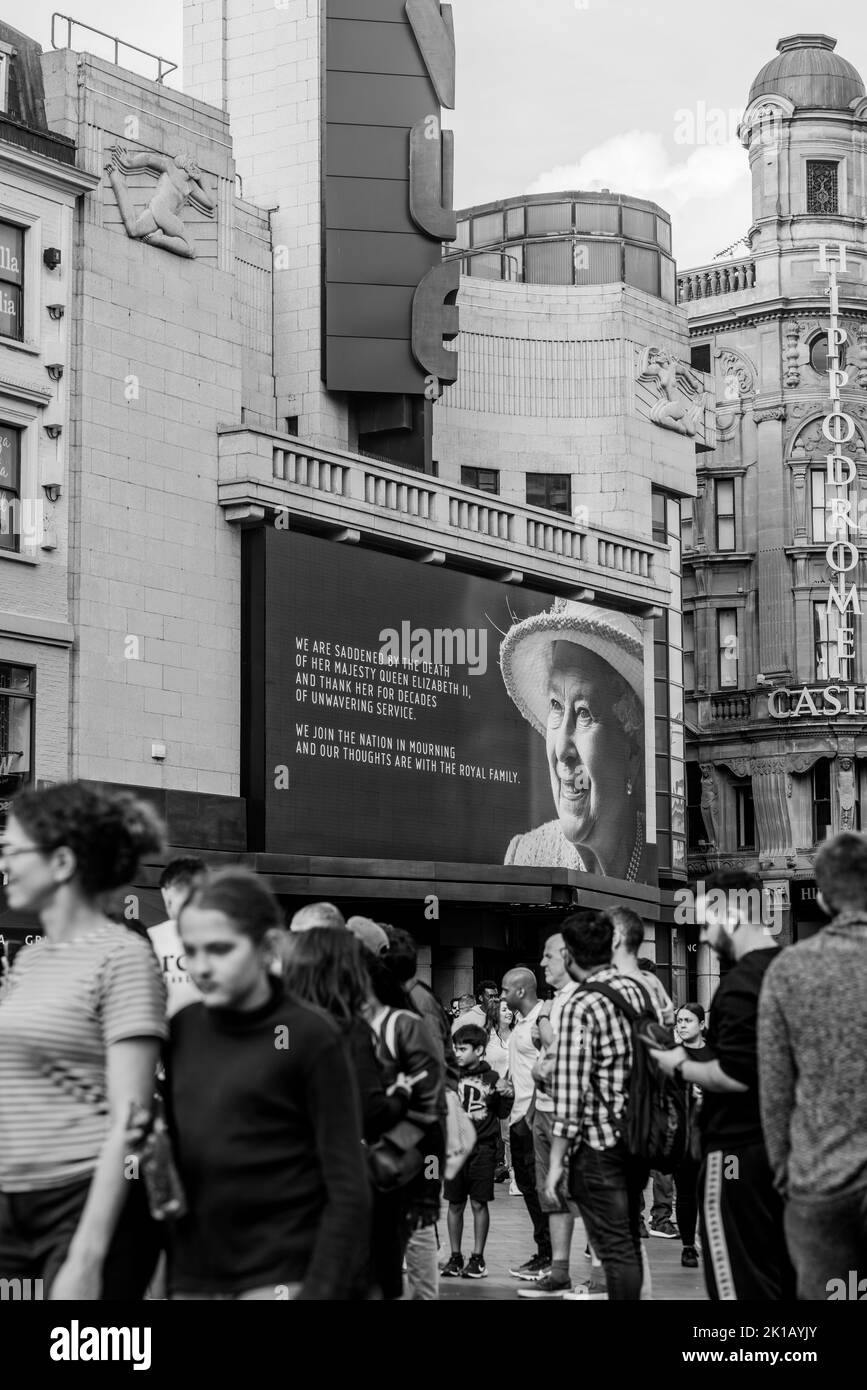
(792, 353)
(810, 443)
(681, 393)
(179, 181)
(741, 767)
(861, 362)
(739, 375)
(771, 412)
(799, 500)
(846, 791)
(710, 802)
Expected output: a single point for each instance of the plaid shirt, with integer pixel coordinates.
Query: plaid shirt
(594, 1057)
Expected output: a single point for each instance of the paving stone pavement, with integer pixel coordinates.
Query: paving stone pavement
(510, 1242)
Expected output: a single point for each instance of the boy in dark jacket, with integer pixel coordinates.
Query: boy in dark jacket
(487, 1100)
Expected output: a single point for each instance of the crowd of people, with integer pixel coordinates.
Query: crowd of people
(227, 1106)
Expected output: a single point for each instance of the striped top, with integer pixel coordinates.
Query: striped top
(63, 1006)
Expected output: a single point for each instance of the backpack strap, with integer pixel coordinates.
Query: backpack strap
(612, 995)
(389, 1030)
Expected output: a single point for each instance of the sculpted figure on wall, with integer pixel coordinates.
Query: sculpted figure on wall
(180, 181)
(846, 791)
(681, 392)
(710, 803)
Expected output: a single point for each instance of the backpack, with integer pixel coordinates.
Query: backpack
(654, 1125)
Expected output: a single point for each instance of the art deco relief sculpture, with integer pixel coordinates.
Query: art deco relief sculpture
(681, 391)
(180, 181)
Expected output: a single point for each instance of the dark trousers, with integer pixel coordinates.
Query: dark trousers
(686, 1180)
(608, 1187)
(663, 1197)
(36, 1229)
(524, 1165)
(745, 1255)
(827, 1239)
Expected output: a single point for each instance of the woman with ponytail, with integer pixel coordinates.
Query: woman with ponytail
(82, 1016)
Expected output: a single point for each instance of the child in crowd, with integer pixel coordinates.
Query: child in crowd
(487, 1099)
(264, 1114)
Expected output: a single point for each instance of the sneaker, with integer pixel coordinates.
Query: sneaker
(502, 1174)
(666, 1230)
(533, 1269)
(584, 1292)
(587, 1252)
(476, 1268)
(514, 1189)
(454, 1268)
(689, 1257)
(546, 1287)
(642, 1228)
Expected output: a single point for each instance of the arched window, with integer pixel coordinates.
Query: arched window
(819, 354)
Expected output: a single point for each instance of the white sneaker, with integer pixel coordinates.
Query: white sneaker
(586, 1292)
(514, 1189)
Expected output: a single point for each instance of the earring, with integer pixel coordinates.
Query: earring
(629, 786)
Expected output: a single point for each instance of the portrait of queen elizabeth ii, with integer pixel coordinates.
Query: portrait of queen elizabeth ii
(576, 673)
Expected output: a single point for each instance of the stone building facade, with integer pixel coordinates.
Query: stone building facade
(776, 764)
(196, 417)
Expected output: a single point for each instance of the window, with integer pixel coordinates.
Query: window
(7, 80)
(689, 651)
(827, 523)
(826, 625)
(695, 826)
(821, 800)
(725, 514)
(548, 217)
(597, 217)
(551, 490)
(485, 479)
(11, 281)
(488, 227)
(822, 186)
(548, 263)
(819, 354)
(687, 522)
(642, 268)
(727, 644)
(699, 357)
(745, 818)
(10, 488)
(17, 691)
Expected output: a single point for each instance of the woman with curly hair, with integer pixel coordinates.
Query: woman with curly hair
(82, 1016)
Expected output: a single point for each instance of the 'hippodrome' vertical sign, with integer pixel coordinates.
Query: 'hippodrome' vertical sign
(839, 429)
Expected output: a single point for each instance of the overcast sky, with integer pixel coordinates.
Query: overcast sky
(638, 97)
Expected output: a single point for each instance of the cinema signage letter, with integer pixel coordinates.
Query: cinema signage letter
(388, 189)
(842, 555)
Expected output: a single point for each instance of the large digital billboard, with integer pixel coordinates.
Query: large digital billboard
(404, 711)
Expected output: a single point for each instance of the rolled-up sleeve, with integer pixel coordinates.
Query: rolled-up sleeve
(571, 1079)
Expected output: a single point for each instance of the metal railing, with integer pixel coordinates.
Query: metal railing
(164, 67)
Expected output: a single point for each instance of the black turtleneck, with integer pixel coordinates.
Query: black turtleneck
(265, 1117)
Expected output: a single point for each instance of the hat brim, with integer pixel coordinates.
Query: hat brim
(525, 655)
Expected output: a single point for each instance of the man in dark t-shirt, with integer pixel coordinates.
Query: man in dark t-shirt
(741, 1212)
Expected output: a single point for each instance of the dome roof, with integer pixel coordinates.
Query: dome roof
(809, 73)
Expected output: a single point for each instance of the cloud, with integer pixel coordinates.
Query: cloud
(638, 164)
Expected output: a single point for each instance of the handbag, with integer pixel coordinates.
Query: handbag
(395, 1158)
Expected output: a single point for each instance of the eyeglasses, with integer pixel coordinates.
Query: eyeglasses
(9, 851)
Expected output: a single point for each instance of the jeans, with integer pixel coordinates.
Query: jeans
(827, 1240)
(422, 1266)
(607, 1185)
(663, 1198)
(524, 1166)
